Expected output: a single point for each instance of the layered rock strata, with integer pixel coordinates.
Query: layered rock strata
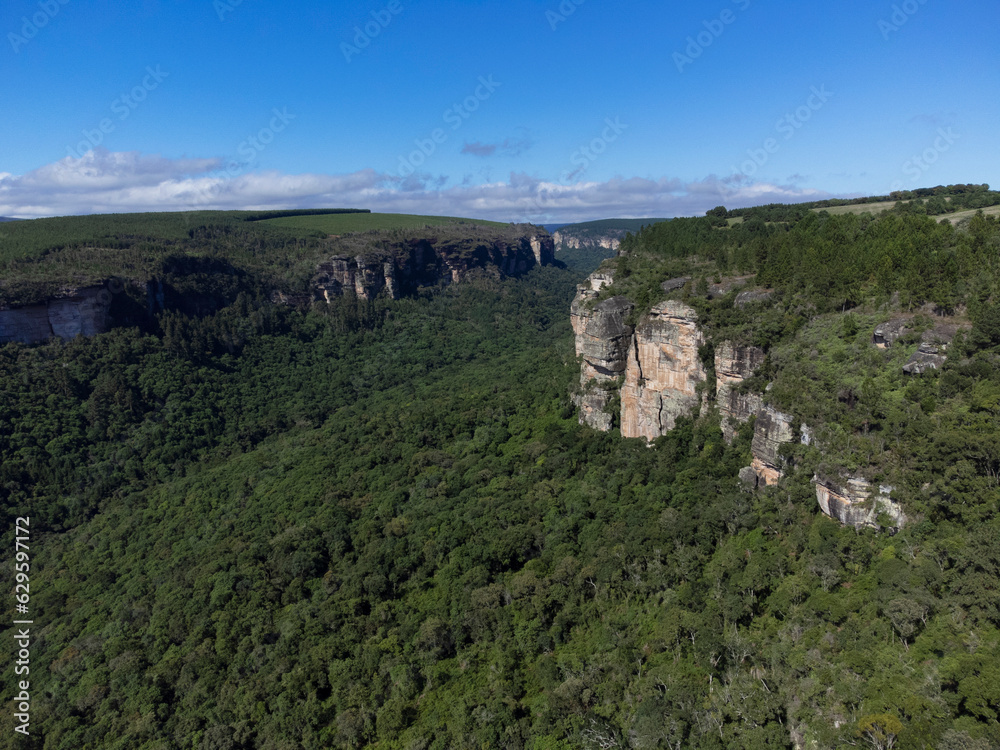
(663, 371)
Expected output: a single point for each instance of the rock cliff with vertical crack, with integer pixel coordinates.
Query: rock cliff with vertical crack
(663, 371)
(368, 265)
(603, 339)
(733, 365)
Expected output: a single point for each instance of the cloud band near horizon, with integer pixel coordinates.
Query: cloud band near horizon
(102, 181)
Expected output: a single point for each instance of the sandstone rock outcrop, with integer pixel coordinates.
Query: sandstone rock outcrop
(886, 334)
(932, 352)
(568, 240)
(733, 365)
(72, 312)
(663, 370)
(603, 340)
(851, 501)
(927, 357)
(399, 267)
(672, 285)
(771, 429)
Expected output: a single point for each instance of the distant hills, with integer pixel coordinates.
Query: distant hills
(8, 218)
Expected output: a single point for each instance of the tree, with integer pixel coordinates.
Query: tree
(880, 730)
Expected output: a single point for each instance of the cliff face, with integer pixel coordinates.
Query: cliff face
(602, 342)
(569, 240)
(771, 429)
(82, 311)
(663, 371)
(400, 267)
(852, 502)
(733, 365)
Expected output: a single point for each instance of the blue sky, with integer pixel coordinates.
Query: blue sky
(522, 110)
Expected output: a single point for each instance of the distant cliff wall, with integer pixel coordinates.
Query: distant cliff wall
(400, 267)
(568, 240)
(72, 312)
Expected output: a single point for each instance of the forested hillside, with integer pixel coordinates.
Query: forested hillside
(379, 524)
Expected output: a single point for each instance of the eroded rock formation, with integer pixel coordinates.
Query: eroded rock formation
(603, 340)
(733, 365)
(399, 267)
(851, 501)
(663, 370)
(771, 429)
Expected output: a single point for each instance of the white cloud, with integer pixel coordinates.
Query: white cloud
(105, 182)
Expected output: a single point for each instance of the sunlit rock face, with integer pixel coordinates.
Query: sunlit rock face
(78, 311)
(603, 339)
(851, 501)
(663, 371)
(733, 365)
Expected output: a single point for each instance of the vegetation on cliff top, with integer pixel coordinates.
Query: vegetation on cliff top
(267, 249)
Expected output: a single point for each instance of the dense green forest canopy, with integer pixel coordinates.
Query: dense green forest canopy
(379, 523)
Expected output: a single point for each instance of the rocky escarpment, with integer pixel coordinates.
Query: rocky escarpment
(932, 352)
(659, 361)
(603, 339)
(71, 312)
(398, 267)
(658, 364)
(568, 240)
(771, 430)
(663, 371)
(851, 501)
(734, 364)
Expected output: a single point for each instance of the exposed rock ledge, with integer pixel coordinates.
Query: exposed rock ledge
(72, 312)
(399, 267)
(851, 501)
